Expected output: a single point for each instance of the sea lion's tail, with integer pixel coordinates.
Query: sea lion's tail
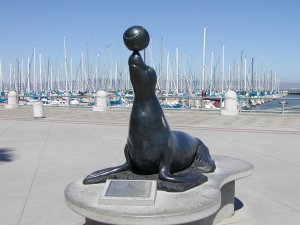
(206, 164)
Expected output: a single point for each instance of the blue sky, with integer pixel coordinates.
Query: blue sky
(268, 31)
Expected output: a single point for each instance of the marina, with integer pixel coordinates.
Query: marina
(177, 79)
(270, 103)
(176, 88)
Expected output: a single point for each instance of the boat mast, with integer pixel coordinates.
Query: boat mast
(257, 83)
(34, 74)
(272, 87)
(51, 78)
(88, 67)
(108, 69)
(21, 77)
(223, 69)
(229, 77)
(98, 76)
(239, 77)
(58, 79)
(245, 75)
(177, 71)
(151, 53)
(167, 82)
(241, 72)
(275, 82)
(66, 71)
(203, 60)
(211, 72)
(82, 71)
(252, 75)
(116, 76)
(71, 75)
(28, 75)
(48, 76)
(10, 77)
(16, 76)
(184, 71)
(41, 85)
(160, 82)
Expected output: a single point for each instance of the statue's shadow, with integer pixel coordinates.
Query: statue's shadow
(6, 155)
(238, 204)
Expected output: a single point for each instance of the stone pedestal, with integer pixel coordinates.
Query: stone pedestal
(206, 204)
(230, 104)
(100, 101)
(38, 110)
(12, 100)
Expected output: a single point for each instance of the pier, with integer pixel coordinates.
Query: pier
(294, 91)
(39, 157)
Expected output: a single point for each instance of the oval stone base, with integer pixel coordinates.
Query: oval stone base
(206, 204)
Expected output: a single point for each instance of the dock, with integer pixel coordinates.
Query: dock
(40, 157)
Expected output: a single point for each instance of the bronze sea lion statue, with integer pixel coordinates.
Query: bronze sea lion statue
(152, 148)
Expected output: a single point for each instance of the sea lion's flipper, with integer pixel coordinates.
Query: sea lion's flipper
(166, 175)
(206, 164)
(101, 176)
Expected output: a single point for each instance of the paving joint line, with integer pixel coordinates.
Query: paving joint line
(34, 175)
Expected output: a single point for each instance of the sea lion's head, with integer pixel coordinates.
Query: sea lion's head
(143, 77)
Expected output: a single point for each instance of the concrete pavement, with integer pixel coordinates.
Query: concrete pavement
(39, 157)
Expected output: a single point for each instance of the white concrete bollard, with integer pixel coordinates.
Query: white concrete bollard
(197, 103)
(38, 110)
(230, 104)
(100, 101)
(12, 100)
(67, 95)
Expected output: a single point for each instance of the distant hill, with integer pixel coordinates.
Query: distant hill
(287, 85)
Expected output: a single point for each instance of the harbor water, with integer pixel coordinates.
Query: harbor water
(291, 103)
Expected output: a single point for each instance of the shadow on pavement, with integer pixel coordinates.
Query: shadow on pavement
(237, 204)
(6, 155)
